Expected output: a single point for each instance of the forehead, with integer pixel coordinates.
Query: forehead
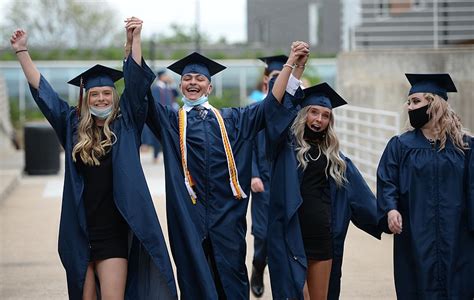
(100, 89)
(188, 75)
(319, 108)
(417, 95)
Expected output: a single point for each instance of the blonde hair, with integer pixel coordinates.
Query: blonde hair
(446, 122)
(90, 146)
(329, 146)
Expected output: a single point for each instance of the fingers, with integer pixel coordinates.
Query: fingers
(395, 223)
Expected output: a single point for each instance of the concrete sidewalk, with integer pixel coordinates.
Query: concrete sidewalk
(30, 267)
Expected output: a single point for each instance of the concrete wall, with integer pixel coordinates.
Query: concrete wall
(376, 79)
(274, 24)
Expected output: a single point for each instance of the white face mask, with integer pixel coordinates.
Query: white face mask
(196, 102)
(101, 113)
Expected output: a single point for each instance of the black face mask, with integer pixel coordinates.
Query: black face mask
(419, 117)
(312, 135)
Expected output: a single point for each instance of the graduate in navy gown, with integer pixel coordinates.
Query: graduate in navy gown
(425, 196)
(315, 192)
(207, 154)
(260, 184)
(108, 228)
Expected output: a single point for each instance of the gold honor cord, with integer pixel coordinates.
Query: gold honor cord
(188, 180)
(233, 173)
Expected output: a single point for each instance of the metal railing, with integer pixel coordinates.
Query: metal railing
(363, 134)
(408, 24)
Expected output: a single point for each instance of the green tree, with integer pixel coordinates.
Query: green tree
(63, 24)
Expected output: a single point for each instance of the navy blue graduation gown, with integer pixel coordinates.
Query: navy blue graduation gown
(260, 201)
(150, 275)
(353, 202)
(434, 254)
(217, 215)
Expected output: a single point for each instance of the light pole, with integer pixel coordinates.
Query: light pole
(197, 45)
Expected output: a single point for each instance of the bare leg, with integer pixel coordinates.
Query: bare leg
(319, 273)
(112, 274)
(89, 292)
(305, 291)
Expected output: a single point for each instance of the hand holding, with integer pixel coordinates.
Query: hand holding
(257, 185)
(394, 220)
(133, 26)
(298, 53)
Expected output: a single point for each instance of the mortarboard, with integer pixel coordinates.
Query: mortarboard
(98, 75)
(274, 63)
(196, 63)
(439, 84)
(160, 72)
(322, 94)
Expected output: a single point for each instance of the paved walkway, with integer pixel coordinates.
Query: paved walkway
(29, 218)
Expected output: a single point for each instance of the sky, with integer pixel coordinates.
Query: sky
(219, 18)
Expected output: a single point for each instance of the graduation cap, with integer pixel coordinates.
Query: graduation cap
(274, 63)
(196, 63)
(322, 94)
(98, 75)
(160, 72)
(439, 84)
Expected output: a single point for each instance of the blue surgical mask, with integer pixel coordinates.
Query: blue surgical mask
(101, 113)
(196, 102)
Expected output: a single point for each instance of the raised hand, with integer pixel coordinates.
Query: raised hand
(299, 53)
(19, 40)
(133, 26)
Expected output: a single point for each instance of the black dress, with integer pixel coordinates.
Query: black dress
(315, 211)
(108, 231)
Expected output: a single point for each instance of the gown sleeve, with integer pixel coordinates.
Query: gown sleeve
(470, 183)
(278, 120)
(138, 79)
(55, 110)
(388, 173)
(362, 202)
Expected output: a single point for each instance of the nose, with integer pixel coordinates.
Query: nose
(318, 117)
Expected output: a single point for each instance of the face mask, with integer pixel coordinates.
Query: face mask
(101, 113)
(419, 117)
(196, 102)
(312, 135)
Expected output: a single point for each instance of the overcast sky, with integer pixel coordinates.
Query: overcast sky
(218, 17)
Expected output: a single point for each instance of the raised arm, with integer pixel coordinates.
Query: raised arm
(137, 75)
(298, 56)
(51, 105)
(19, 43)
(133, 27)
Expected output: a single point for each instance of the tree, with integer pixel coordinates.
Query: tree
(64, 24)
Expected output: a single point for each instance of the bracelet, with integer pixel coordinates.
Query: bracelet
(288, 65)
(300, 66)
(23, 50)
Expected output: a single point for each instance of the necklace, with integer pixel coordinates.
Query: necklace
(309, 157)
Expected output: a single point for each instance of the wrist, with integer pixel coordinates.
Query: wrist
(21, 50)
(301, 66)
(291, 66)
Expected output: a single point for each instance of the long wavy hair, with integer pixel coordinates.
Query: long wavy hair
(336, 166)
(90, 146)
(446, 122)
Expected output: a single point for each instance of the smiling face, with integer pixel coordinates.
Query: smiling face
(416, 100)
(318, 117)
(101, 96)
(194, 85)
